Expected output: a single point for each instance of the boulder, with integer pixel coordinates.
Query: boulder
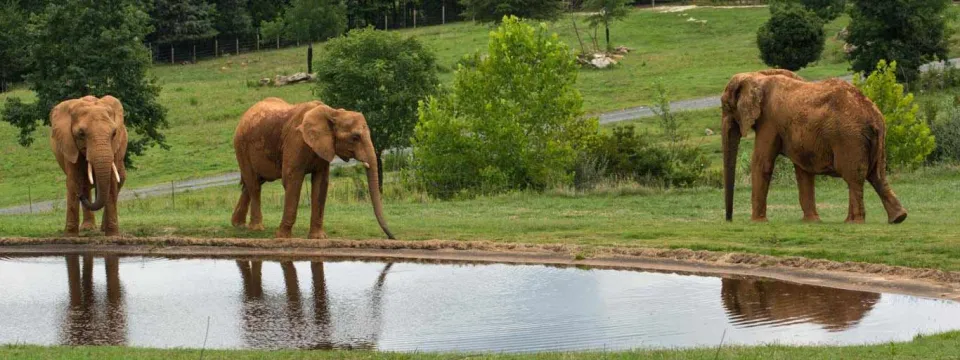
(281, 80)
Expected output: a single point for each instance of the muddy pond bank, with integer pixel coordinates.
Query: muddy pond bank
(88, 296)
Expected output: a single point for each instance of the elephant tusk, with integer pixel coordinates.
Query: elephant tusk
(366, 164)
(116, 173)
(90, 173)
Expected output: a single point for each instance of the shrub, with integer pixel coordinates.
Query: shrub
(792, 38)
(512, 122)
(908, 138)
(908, 32)
(486, 11)
(826, 10)
(944, 122)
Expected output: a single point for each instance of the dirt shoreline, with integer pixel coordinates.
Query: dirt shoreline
(844, 275)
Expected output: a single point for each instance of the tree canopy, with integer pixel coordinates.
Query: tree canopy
(486, 11)
(910, 32)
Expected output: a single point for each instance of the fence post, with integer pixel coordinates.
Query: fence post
(173, 196)
(443, 14)
(172, 60)
(310, 58)
(194, 53)
(237, 41)
(414, 18)
(258, 42)
(30, 198)
(386, 26)
(278, 41)
(216, 47)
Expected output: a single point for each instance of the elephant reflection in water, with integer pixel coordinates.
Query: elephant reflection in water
(757, 302)
(90, 318)
(264, 328)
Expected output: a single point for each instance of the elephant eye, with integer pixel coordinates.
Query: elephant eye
(80, 133)
(355, 137)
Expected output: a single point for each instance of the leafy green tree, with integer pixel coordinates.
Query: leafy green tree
(272, 29)
(910, 32)
(315, 20)
(826, 10)
(84, 47)
(265, 10)
(604, 13)
(515, 121)
(233, 18)
(13, 42)
(182, 20)
(381, 75)
(486, 11)
(792, 38)
(909, 139)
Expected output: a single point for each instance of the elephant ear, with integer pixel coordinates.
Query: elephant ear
(743, 98)
(61, 134)
(318, 130)
(119, 141)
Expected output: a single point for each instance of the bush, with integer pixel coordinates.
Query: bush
(512, 122)
(486, 11)
(944, 122)
(826, 10)
(908, 138)
(908, 32)
(625, 155)
(791, 39)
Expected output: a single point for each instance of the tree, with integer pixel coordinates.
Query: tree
(791, 39)
(13, 42)
(182, 20)
(315, 20)
(486, 11)
(827, 10)
(515, 121)
(83, 47)
(265, 10)
(910, 32)
(381, 75)
(909, 140)
(605, 12)
(233, 18)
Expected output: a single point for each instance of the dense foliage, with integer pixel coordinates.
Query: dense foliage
(792, 38)
(13, 42)
(233, 18)
(604, 13)
(486, 11)
(382, 75)
(96, 48)
(944, 121)
(910, 32)
(826, 10)
(182, 20)
(909, 139)
(512, 122)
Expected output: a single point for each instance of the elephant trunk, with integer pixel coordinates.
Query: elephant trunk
(102, 164)
(373, 181)
(731, 146)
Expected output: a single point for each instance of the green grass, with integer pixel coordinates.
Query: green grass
(206, 100)
(943, 346)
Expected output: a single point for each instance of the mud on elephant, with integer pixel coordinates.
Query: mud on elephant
(278, 140)
(825, 128)
(89, 140)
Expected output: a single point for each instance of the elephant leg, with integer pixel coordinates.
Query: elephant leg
(808, 197)
(855, 214)
(73, 207)
(895, 212)
(252, 186)
(318, 201)
(109, 224)
(239, 218)
(765, 152)
(292, 183)
(89, 220)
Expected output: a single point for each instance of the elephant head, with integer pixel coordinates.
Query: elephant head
(338, 132)
(742, 102)
(92, 128)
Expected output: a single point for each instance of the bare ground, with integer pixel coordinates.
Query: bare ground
(845, 275)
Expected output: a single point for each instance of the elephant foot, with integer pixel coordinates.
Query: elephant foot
(759, 219)
(319, 235)
(282, 234)
(88, 226)
(855, 220)
(111, 232)
(238, 224)
(811, 219)
(897, 217)
(255, 227)
(71, 233)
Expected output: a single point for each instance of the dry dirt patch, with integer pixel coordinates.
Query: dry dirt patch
(845, 275)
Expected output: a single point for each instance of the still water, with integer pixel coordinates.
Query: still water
(403, 306)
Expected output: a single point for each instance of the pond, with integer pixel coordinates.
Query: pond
(417, 306)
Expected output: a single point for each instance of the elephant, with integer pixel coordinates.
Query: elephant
(756, 302)
(825, 128)
(89, 318)
(89, 140)
(278, 140)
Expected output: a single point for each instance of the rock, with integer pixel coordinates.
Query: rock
(621, 50)
(842, 35)
(602, 61)
(281, 80)
(849, 48)
(708, 132)
(264, 81)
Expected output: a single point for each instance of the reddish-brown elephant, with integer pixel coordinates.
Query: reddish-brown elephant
(89, 140)
(825, 128)
(278, 140)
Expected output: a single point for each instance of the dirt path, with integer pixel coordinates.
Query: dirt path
(233, 178)
(845, 275)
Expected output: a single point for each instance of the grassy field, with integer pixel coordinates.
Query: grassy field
(943, 346)
(205, 100)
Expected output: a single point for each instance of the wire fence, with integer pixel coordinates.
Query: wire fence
(192, 51)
